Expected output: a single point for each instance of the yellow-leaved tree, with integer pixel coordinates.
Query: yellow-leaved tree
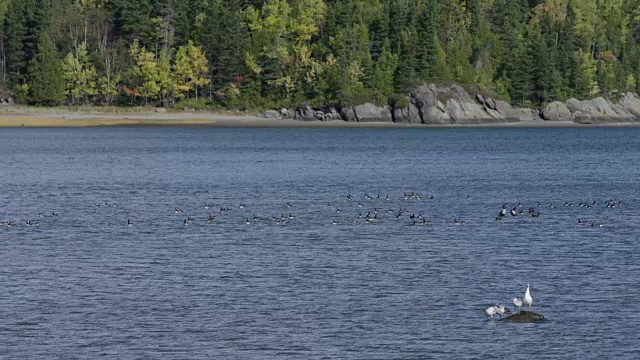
(80, 75)
(282, 33)
(146, 68)
(190, 70)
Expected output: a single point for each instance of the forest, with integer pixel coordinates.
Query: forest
(255, 54)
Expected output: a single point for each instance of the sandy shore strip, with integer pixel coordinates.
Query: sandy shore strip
(224, 120)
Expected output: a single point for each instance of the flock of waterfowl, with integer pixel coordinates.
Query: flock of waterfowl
(347, 209)
(500, 310)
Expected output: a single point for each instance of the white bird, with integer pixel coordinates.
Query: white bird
(527, 300)
(517, 303)
(490, 311)
(501, 310)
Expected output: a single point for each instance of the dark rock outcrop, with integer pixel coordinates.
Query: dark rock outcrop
(347, 114)
(525, 317)
(430, 109)
(331, 114)
(287, 113)
(490, 103)
(305, 114)
(408, 115)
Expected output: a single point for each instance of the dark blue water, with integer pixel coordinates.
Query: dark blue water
(81, 284)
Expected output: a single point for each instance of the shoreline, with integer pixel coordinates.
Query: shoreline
(8, 120)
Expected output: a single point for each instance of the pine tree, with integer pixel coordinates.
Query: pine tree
(15, 30)
(427, 51)
(383, 74)
(519, 74)
(133, 20)
(46, 76)
(398, 22)
(225, 42)
(567, 46)
(546, 79)
(405, 78)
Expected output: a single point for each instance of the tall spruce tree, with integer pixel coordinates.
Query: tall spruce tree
(225, 41)
(46, 75)
(426, 51)
(133, 21)
(405, 78)
(15, 31)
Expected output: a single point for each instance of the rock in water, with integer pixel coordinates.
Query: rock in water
(525, 317)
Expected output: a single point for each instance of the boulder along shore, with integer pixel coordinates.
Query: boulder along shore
(453, 105)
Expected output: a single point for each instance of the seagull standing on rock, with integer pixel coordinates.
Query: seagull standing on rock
(527, 300)
(517, 303)
(502, 310)
(490, 311)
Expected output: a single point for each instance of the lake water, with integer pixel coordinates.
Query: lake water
(84, 285)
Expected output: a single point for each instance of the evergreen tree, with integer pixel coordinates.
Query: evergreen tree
(15, 31)
(272, 53)
(225, 42)
(546, 79)
(133, 20)
(567, 46)
(405, 78)
(519, 74)
(427, 51)
(46, 76)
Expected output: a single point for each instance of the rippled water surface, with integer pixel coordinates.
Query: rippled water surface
(83, 284)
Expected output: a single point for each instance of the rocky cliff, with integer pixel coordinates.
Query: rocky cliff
(433, 105)
(595, 111)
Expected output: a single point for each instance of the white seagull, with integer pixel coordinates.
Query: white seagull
(490, 311)
(502, 310)
(517, 303)
(527, 300)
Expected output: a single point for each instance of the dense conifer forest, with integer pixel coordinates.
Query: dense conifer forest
(247, 54)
